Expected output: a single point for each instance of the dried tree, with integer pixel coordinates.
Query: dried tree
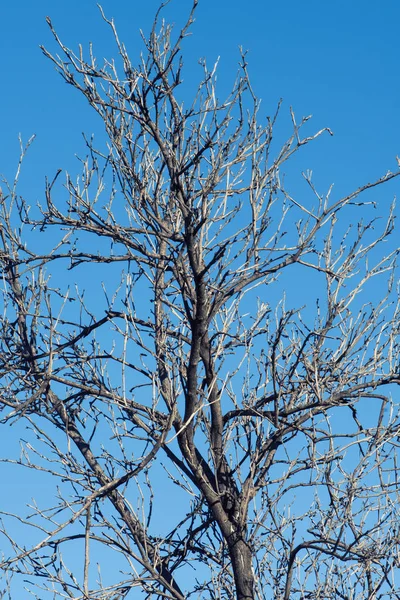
(190, 380)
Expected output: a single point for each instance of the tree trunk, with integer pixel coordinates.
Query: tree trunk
(242, 568)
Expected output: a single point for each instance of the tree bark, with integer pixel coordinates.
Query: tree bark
(240, 554)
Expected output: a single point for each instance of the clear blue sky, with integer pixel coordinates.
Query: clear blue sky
(338, 61)
(335, 60)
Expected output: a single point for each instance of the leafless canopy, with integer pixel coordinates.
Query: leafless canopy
(202, 436)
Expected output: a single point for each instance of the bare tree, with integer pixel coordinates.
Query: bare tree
(206, 437)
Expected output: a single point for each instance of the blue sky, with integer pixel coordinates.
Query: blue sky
(335, 60)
